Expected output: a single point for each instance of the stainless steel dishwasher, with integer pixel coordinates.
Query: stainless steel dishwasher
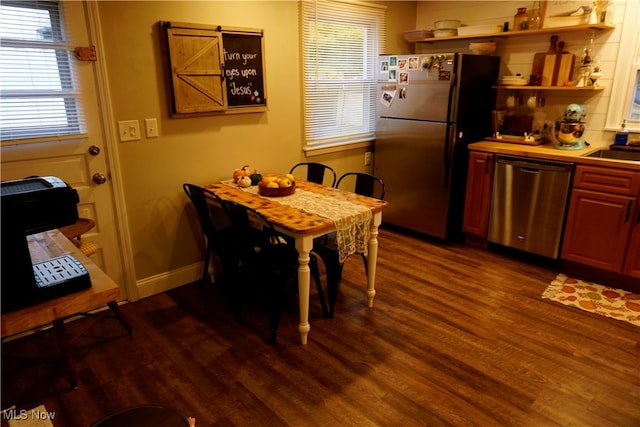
(529, 203)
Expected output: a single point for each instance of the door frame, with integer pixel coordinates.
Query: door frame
(111, 142)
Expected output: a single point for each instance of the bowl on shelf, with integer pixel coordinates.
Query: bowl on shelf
(446, 24)
(482, 48)
(445, 32)
(512, 81)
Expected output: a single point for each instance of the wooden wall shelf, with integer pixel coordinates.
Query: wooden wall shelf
(507, 34)
(570, 88)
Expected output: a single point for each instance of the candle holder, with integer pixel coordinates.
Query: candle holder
(587, 51)
(595, 76)
(583, 76)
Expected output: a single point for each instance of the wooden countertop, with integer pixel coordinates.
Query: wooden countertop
(549, 152)
(103, 290)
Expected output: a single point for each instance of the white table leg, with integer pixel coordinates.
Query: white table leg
(372, 257)
(304, 245)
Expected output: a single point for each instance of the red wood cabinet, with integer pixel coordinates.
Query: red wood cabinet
(478, 194)
(598, 229)
(603, 229)
(632, 263)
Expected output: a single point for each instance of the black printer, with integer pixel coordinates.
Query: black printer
(33, 205)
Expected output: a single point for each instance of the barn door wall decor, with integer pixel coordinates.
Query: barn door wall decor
(215, 69)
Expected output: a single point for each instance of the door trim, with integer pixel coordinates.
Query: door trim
(111, 142)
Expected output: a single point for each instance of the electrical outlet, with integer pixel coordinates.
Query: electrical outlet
(129, 130)
(367, 158)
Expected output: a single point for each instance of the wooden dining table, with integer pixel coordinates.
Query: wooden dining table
(304, 225)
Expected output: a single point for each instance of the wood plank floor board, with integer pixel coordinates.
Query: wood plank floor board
(427, 391)
(440, 365)
(459, 336)
(440, 349)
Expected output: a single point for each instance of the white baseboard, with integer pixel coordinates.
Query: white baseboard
(168, 280)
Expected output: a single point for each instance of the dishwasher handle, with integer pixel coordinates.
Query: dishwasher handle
(535, 167)
(528, 169)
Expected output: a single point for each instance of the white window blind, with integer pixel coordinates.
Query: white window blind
(634, 110)
(341, 43)
(625, 91)
(38, 96)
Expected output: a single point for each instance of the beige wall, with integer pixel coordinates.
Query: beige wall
(203, 149)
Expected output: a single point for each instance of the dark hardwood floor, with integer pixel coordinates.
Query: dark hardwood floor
(458, 336)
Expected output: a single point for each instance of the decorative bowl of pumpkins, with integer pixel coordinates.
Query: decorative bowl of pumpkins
(277, 185)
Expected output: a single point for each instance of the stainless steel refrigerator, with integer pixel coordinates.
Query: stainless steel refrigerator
(429, 108)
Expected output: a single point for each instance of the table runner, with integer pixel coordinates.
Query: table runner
(352, 221)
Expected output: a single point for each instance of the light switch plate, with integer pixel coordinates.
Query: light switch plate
(129, 130)
(151, 128)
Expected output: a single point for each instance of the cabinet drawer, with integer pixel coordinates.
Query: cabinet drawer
(609, 180)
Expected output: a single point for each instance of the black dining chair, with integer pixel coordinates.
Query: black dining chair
(263, 255)
(326, 247)
(318, 173)
(215, 228)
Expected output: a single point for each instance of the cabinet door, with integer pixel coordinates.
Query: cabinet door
(478, 194)
(598, 228)
(632, 263)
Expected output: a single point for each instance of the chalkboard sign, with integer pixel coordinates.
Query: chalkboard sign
(215, 69)
(243, 71)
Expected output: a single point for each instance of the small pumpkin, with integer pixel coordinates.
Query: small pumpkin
(244, 181)
(256, 177)
(243, 171)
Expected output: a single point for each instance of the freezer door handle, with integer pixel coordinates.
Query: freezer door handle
(448, 149)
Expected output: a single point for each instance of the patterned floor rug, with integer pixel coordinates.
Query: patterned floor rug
(602, 300)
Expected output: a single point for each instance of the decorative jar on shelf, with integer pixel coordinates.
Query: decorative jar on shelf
(535, 18)
(521, 19)
(605, 11)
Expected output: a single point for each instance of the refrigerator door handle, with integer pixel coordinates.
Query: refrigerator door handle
(452, 88)
(451, 131)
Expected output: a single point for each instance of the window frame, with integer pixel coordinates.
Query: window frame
(627, 69)
(317, 143)
(73, 126)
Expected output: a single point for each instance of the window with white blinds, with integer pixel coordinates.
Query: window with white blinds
(38, 96)
(624, 103)
(634, 87)
(341, 43)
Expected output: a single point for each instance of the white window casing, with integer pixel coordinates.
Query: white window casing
(341, 41)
